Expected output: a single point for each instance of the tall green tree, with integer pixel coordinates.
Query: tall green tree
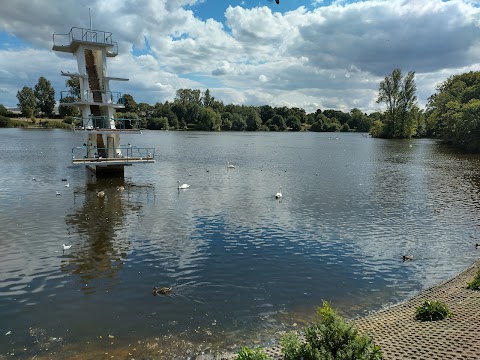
(45, 96)
(27, 102)
(129, 103)
(399, 94)
(453, 112)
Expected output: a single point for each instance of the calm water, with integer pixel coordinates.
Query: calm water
(242, 264)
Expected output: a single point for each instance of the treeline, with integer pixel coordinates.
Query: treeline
(196, 110)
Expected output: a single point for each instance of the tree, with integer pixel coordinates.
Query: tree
(129, 103)
(453, 113)
(3, 110)
(253, 120)
(45, 96)
(207, 99)
(27, 102)
(399, 94)
(68, 110)
(188, 96)
(209, 119)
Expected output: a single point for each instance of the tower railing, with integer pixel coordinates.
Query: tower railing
(103, 122)
(123, 153)
(108, 97)
(87, 35)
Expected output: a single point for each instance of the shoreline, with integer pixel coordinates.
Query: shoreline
(401, 336)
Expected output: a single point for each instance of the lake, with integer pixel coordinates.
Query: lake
(242, 265)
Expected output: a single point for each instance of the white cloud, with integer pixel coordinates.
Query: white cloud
(329, 56)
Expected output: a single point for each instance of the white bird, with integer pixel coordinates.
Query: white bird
(279, 195)
(101, 194)
(230, 166)
(67, 185)
(33, 179)
(66, 247)
(58, 193)
(183, 186)
(120, 188)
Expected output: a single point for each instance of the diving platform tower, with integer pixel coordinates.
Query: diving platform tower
(102, 151)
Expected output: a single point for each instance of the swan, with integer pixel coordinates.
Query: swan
(279, 195)
(230, 166)
(101, 193)
(58, 193)
(66, 247)
(67, 185)
(120, 188)
(183, 186)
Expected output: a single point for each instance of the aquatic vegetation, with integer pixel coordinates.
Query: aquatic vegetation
(251, 354)
(330, 337)
(432, 311)
(475, 283)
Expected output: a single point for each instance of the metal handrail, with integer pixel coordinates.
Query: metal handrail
(109, 97)
(102, 122)
(87, 35)
(124, 153)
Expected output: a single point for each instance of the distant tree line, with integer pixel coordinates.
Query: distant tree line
(452, 113)
(194, 110)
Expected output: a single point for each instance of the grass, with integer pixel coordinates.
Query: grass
(475, 283)
(432, 311)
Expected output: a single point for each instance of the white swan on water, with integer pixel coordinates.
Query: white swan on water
(183, 186)
(230, 166)
(279, 195)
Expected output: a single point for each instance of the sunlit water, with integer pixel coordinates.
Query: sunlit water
(242, 265)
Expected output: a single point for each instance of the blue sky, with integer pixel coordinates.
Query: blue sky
(307, 54)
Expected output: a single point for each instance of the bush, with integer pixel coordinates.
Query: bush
(6, 122)
(251, 354)
(475, 283)
(330, 337)
(432, 311)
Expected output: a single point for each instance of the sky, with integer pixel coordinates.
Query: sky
(313, 54)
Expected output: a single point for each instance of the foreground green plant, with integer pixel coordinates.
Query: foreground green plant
(432, 311)
(475, 283)
(251, 354)
(330, 337)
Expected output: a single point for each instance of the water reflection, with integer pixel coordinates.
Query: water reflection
(97, 222)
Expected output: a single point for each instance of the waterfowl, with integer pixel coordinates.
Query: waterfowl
(101, 193)
(477, 246)
(67, 185)
(230, 166)
(279, 195)
(120, 188)
(161, 290)
(66, 247)
(407, 257)
(183, 186)
(58, 193)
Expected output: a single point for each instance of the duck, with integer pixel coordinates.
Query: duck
(58, 193)
(101, 194)
(120, 188)
(183, 186)
(161, 290)
(279, 195)
(477, 246)
(407, 257)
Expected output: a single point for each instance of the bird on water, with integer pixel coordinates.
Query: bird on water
(161, 290)
(183, 186)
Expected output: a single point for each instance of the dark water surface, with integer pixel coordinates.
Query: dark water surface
(242, 265)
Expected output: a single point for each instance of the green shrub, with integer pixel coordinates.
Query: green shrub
(55, 124)
(432, 311)
(330, 337)
(475, 283)
(251, 354)
(6, 122)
